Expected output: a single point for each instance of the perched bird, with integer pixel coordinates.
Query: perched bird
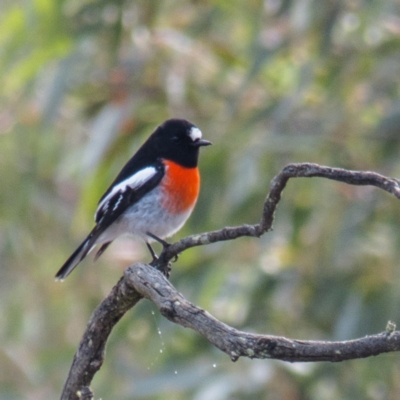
(152, 196)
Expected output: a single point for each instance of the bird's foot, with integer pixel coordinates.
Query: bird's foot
(164, 243)
(165, 268)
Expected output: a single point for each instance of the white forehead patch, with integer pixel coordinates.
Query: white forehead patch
(195, 133)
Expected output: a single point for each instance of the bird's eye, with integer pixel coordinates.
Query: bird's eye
(176, 139)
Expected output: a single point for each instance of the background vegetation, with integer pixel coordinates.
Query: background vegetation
(269, 82)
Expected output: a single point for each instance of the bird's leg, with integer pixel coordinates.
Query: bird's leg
(166, 269)
(152, 252)
(164, 243)
(157, 239)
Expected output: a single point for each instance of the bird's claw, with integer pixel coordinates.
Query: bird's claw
(165, 269)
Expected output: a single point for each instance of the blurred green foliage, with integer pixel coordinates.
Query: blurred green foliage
(269, 82)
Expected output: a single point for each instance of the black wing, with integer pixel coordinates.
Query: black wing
(123, 195)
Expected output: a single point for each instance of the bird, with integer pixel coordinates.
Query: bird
(152, 196)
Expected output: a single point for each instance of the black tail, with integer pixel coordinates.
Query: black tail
(102, 249)
(77, 256)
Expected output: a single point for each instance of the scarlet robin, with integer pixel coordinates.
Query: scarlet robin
(153, 195)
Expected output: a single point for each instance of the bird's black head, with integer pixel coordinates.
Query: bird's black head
(177, 140)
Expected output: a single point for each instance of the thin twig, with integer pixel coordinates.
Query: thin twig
(302, 170)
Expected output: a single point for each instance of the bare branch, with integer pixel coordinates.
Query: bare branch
(144, 281)
(302, 170)
(152, 285)
(90, 355)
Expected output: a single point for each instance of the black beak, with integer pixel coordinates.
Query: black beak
(201, 142)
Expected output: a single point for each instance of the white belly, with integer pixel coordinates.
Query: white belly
(146, 216)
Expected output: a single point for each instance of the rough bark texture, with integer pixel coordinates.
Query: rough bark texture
(90, 354)
(152, 285)
(142, 280)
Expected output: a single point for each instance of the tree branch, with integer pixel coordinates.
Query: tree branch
(90, 355)
(141, 280)
(301, 170)
(152, 285)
